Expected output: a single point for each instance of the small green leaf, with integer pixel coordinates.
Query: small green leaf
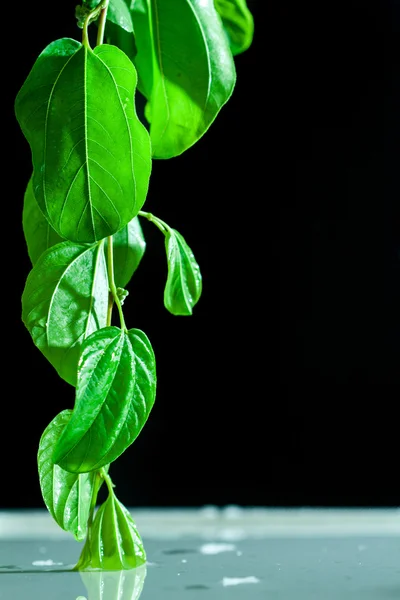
(118, 13)
(184, 282)
(65, 299)
(238, 23)
(91, 154)
(114, 585)
(67, 495)
(39, 234)
(128, 248)
(114, 395)
(185, 67)
(114, 543)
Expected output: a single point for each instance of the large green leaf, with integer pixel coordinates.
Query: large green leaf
(114, 395)
(114, 543)
(185, 67)
(184, 282)
(67, 495)
(114, 585)
(238, 23)
(91, 155)
(65, 299)
(129, 246)
(39, 234)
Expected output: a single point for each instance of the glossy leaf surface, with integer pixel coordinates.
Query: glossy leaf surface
(117, 36)
(128, 248)
(185, 67)
(114, 543)
(65, 299)
(90, 153)
(114, 395)
(39, 234)
(238, 23)
(67, 495)
(184, 283)
(119, 14)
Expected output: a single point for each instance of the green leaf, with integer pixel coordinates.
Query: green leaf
(65, 299)
(90, 153)
(114, 543)
(114, 585)
(238, 23)
(184, 282)
(118, 13)
(39, 234)
(185, 68)
(128, 249)
(114, 395)
(67, 495)
(124, 40)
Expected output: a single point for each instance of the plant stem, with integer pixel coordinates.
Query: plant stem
(101, 9)
(85, 35)
(108, 480)
(162, 226)
(96, 487)
(111, 283)
(102, 24)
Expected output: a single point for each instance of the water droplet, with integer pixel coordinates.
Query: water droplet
(46, 563)
(216, 548)
(227, 581)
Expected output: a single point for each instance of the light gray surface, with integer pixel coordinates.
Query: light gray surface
(238, 555)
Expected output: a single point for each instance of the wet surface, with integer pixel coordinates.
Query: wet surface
(356, 567)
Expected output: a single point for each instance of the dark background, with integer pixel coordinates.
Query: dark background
(283, 387)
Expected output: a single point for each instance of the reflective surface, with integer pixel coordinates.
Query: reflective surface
(265, 555)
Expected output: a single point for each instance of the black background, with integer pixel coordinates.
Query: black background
(283, 387)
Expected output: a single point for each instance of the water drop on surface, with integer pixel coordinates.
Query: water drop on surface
(46, 563)
(216, 548)
(228, 581)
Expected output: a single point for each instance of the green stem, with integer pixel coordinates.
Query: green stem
(96, 487)
(162, 226)
(85, 35)
(100, 9)
(102, 24)
(110, 308)
(111, 283)
(108, 480)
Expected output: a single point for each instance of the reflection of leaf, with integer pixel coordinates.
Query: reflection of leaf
(114, 585)
(185, 69)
